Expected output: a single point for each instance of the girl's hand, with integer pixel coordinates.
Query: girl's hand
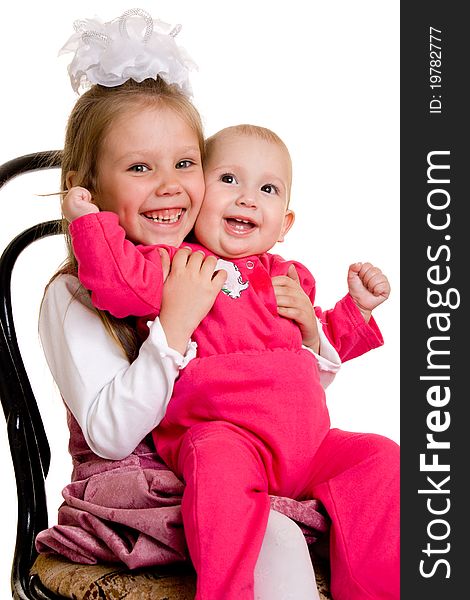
(293, 303)
(78, 202)
(368, 287)
(189, 292)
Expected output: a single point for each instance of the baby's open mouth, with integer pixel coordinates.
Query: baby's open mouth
(239, 225)
(165, 215)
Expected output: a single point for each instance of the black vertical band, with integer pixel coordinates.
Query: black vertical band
(435, 322)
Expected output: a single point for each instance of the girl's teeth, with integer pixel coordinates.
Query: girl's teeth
(165, 218)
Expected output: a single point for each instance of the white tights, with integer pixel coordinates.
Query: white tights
(284, 569)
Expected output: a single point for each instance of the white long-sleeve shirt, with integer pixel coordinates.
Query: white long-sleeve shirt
(117, 403)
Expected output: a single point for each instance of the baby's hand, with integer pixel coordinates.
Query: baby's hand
(78, 202)
(293, 303)
(368, 287)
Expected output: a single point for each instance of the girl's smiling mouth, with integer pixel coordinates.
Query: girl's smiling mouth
(166, 216)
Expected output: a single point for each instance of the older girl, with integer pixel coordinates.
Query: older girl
(123, 504)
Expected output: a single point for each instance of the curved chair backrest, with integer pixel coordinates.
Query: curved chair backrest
(27, 438)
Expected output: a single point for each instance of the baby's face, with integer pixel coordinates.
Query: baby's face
(244, 211)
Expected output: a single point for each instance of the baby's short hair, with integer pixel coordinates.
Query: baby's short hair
(262, 133)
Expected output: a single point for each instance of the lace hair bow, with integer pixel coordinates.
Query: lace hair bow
(133, 46)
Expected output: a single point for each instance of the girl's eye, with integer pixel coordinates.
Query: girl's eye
(184, 164)
(139, 168)
(269, 188)
(228, 178)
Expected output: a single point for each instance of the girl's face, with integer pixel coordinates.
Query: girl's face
(150, 174)
(247, 191)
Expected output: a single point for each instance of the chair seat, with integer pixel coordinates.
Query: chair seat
(84, 582)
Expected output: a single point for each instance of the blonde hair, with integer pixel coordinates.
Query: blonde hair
(256, 131)
(93, 114)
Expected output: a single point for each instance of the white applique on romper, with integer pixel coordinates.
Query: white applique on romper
(234, 284)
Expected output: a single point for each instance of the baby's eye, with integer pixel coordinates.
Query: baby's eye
(228, 178)
(184, 164)
(139, 168)
(269, 188)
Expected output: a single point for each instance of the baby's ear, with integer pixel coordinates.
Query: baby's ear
(70, 179)
(289, 219)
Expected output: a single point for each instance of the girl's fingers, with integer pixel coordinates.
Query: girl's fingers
(285, 290)
(208, 265)
(285, 281)
(292, 313)
(196, 266)
(219, 278)
(286, 300)
(180, 259)
(195, 260)
(165, 260)
(292, 274)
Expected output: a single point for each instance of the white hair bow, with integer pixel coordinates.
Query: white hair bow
(133, 46)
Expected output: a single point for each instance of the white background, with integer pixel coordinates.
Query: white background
(323, 75)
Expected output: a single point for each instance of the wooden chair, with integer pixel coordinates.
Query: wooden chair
(46, 577)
